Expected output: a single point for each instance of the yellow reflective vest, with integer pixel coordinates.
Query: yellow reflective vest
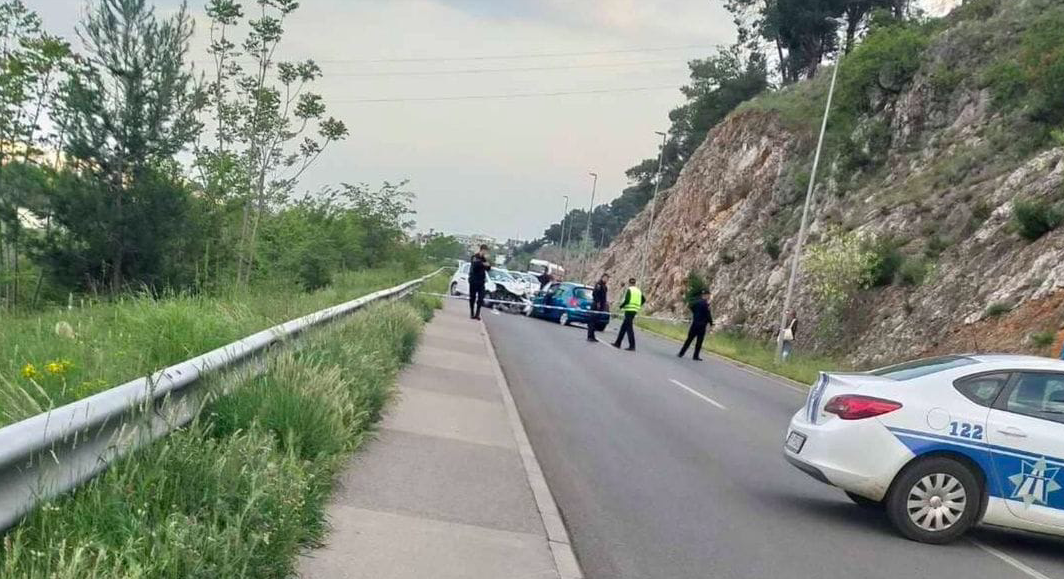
(635, 300)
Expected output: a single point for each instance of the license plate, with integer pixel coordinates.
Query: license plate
(795, 442)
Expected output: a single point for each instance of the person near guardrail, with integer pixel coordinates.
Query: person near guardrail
(632, 304)
(788, 334)
(479, 265)
(599, 303)
(701, 318)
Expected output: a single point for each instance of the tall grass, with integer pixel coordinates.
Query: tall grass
(115, 342)
(241, 490)
(799, 366)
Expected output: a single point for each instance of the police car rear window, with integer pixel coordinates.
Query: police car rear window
(918, 368)
(582, 293)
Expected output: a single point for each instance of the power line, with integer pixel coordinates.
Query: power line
(503, 96)
(509, 69)
(525, 55)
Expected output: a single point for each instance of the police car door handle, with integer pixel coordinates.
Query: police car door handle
(1014, 432)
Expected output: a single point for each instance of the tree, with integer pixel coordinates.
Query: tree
(444, 247)
(129, 109)
(264, 117)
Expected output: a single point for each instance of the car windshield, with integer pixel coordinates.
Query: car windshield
(499, 275)
(918, 368)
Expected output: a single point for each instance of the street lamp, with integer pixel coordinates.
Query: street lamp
(565, 217)
(805, 214)
(653, 208)
(590, 210)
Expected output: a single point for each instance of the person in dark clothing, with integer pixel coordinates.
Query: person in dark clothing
(632, 304)
(599, 303)
(544, 279)
(701, 318)
(478, 278)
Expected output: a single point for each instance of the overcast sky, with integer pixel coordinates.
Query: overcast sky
(494, 166)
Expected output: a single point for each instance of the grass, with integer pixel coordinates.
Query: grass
(800, 367)
(118, 341)
(240, 491)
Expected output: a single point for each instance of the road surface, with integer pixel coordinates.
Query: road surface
(668, 468)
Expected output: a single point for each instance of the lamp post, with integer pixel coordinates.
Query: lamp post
(796, 258)
(565, 217)
(590, 210)
(653, 208)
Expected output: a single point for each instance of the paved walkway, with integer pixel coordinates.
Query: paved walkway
(450, 488)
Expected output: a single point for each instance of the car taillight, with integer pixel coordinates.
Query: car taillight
(854, 407)
(574, 302)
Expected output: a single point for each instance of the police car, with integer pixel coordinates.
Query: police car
(942, 443)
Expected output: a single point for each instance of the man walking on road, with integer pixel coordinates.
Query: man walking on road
(633, 302)
(599, 303)
(478, 277)
(701, 318)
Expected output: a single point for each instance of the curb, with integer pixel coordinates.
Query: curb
(561, 548)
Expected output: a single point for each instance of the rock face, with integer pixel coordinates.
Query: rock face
(943, 189)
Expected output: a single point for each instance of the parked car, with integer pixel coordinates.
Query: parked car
(500, 286)
(460, 281)
(571, 304)
(943, 443)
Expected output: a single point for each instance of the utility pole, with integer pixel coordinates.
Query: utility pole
(590, 212)
(653, 208)
(796, 258)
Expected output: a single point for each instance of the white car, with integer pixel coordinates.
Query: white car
(498, 280)
(942, 443)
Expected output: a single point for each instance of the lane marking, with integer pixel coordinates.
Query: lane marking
(699, 394)
(1023, 568)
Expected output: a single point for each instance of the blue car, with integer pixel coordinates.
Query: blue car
(576, 301)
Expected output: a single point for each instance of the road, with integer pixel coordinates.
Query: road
(668, 468)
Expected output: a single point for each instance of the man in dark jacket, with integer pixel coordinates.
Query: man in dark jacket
(599, 303)
(701, 318)
(544, 279)
(478, 278)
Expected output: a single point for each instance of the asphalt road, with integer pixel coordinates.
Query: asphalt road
(658, 481)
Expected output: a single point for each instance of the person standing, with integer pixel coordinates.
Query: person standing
(788, 334)
(544, 279)
(632, 304)
(479, 265)
(701, 318)
(599, 303)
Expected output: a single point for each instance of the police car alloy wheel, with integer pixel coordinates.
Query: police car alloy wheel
(935, 500)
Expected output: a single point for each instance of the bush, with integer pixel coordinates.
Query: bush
(913, 272)
(886, 260)
(1035, 218)
(887, 59)
(772, 246)
(694, 285)
(1042, 339)
(1007, 84)
(1042, 57)
(997, 309)
(837, 269)
(976, 10)
(935, 246)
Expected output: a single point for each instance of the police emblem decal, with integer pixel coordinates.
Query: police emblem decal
(1035, 483)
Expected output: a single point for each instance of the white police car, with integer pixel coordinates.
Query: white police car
(942, 443)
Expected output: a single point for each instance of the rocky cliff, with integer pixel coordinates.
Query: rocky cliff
(939, 170)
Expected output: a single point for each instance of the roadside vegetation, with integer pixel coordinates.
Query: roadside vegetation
(242, 489)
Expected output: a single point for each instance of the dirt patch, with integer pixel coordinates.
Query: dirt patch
(1011, 332)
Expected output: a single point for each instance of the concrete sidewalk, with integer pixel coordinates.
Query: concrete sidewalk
(451, 487)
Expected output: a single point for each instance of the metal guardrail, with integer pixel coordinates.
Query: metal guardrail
(54, 452)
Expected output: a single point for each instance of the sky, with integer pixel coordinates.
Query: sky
(497, 166)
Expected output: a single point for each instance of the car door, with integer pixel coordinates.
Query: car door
(1026, 433)
(556, 299)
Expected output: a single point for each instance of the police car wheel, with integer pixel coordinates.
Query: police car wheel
(864, 502)
(935, 500)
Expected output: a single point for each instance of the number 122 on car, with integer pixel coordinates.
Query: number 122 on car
(966, 430)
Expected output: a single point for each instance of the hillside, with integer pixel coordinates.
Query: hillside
(943, 132)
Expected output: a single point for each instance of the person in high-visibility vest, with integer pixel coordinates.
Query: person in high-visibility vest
(633, 302)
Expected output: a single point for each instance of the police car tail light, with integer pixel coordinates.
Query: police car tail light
(854, 407)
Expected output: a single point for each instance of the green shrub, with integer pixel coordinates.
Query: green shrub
(887, 259)
(772, 246)
(935, 246)
(997, 309)
(694, 285)
(1007, 83)
(1042, 56)
(981, 210)
(913, 272)
(1034, 218)
(1043, 339)
(892, 53)
(976, 10)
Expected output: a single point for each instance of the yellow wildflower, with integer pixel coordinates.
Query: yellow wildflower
(58, 367)
(30, 371)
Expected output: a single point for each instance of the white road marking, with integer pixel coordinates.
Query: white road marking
(699, 394)
(1010, 560)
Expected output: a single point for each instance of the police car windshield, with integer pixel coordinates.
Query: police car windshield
(918, 368)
